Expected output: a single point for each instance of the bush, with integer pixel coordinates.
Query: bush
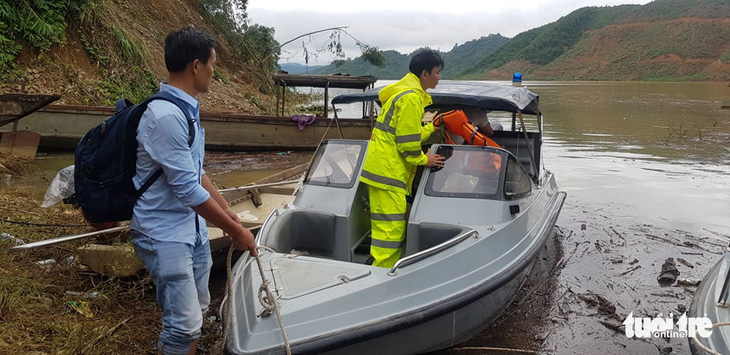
(725, 57)
(38, 24)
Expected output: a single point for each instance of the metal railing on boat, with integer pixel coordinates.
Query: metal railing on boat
(432, 250)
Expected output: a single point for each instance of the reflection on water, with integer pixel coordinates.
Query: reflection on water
(676, 121)
(658, 151)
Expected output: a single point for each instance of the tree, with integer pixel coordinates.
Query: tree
(369, 53)
(247, 41)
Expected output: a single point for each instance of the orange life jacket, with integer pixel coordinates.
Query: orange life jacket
(456, 122)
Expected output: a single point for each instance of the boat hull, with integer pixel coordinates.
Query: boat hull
(458, 308)
(704, 305)
(444, 331)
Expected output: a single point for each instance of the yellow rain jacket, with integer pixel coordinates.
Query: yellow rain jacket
(395, 144)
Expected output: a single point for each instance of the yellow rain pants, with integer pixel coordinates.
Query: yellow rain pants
(388, 222)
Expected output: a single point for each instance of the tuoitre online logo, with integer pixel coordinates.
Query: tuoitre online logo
(666, 328)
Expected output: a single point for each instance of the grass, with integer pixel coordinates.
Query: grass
(219, 76)
(135, 84)
(725, 57)
(35, 316)
(132, 51)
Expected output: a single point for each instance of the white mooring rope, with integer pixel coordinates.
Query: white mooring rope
(705, 347)
(266, 298)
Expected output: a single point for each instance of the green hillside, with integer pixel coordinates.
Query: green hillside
(662, 40)
(544, 44)
(457, 60)
(462, 57)
(92, 52)
(673, 9)
(395, 65)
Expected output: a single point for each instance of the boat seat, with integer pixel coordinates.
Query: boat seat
(359, 222)
(422, 236)
(304, 231)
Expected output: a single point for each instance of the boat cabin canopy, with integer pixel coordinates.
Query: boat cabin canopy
(449, 94)
(321, 81)
(325, 81)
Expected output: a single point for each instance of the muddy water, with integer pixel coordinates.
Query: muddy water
(645, 166)
(646, 169)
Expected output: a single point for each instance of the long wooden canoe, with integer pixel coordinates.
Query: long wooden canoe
(252, 205)
(62, 126)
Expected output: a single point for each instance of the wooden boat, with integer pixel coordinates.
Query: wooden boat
(13, 107)
(62, 126)
(474, 230)
(252, 205)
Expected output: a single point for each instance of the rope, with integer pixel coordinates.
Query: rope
(325, 133)
(266, 298)
(704, 347)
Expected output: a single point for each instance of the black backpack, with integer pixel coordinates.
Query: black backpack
(105, 163)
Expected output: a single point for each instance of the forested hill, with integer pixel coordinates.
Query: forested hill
(662, 40)
(92, 52)
(665, 40)
(458, 60)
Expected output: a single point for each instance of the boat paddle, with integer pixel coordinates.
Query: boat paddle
(255, 186)
(66, 238)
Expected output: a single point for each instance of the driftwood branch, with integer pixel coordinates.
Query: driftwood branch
(340, 28)
(107, 334)
(490, 348)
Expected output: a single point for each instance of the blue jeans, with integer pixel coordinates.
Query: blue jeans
(180, 271)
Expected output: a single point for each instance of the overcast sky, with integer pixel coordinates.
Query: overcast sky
(405, 25)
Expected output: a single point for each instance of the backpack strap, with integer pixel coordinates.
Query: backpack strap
(191, 133)
(122, 104)
(162, 95)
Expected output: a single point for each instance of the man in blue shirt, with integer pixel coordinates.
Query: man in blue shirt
(169, 232)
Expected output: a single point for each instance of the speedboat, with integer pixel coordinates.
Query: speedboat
(711, 300)
(474, 229)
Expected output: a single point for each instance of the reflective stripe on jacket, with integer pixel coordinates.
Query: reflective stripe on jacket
(395, 144)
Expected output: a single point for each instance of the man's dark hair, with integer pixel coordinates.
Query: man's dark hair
(186, 45)
(425, 59)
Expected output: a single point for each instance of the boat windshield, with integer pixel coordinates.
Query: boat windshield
(469, 172)
(335, 164)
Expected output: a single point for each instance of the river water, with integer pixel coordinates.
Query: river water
(655, 151)
(647, 170)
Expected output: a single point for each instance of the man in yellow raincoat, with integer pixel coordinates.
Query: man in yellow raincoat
(395, 151)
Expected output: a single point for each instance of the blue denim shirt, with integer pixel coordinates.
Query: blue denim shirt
(164, 211)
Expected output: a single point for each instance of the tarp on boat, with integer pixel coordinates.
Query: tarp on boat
(489, 96)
